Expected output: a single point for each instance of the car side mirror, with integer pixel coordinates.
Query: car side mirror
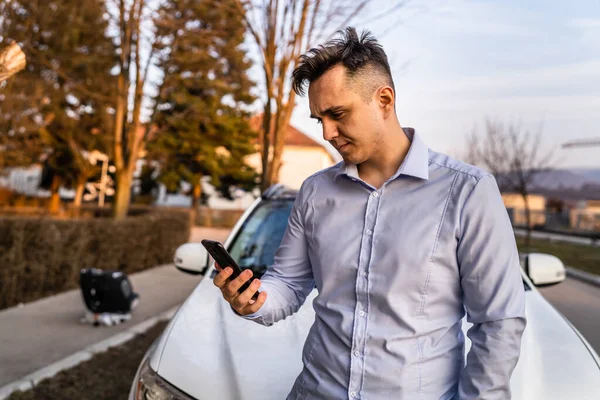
(191, 258)
(544, 269)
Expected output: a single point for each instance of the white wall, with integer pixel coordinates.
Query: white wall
(298, 163)
(25, 180)
(214, 200)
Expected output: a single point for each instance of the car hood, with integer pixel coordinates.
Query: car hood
(555, 361)
(210, 353)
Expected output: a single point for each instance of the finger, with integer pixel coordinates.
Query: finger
(218, 267)
(235, 284)
(252, 308)
(244, 298)
(221, 278)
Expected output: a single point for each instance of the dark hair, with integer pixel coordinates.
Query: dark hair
(358, 55)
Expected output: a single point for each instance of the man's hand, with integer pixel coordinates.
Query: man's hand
(240, 302)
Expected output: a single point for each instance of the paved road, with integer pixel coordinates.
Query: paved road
(580, 303)
(47, 330)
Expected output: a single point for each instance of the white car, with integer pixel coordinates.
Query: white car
(207, 352)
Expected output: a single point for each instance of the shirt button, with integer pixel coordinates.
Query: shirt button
(356, 353)
(363, 273)
(361, 313)
(352, 394)
(375, 194)
(369, 232)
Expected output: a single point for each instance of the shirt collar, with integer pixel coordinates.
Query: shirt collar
(416, 162)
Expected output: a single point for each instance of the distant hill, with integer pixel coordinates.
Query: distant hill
(560, 179)
(569, 184)
(590, 173)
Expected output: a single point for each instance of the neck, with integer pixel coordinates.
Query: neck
(388, 156)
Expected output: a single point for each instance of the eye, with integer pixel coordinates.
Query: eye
(337, 116)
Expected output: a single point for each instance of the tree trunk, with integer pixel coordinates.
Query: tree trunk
(527, 220)
(266, 147)
(283, 121)
(122, 195)
(54, 205)
(196, 193)
(79, 193)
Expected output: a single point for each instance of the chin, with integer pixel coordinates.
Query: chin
(352, 155)
(350, 159)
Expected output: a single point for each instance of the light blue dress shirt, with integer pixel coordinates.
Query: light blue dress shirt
(395, 268)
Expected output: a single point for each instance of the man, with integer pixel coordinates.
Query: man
(399, 241)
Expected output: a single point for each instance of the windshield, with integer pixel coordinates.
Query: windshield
(260, 235)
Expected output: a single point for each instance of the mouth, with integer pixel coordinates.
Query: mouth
(343, 146)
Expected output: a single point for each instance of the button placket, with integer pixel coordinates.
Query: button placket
(360, 321)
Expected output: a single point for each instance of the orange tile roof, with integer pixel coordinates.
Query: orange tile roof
(293, 136)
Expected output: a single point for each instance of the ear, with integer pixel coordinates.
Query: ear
(386, 99)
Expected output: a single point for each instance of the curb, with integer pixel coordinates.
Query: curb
(29, 381)
(583, 276)
(559, 237)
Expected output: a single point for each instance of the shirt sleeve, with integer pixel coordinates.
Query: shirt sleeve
(493, 294)
(290, 280)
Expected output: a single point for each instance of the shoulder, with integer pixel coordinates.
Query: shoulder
(463, 177)
(442, 163)
(327, 173)
(322, 178)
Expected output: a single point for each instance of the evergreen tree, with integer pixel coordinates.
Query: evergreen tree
(58, 107)
(201, 123)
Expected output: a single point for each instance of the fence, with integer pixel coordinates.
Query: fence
(216, 218)
(569, 222)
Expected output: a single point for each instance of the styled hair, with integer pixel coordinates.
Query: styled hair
(362, 57)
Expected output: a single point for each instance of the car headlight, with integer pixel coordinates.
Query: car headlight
(147, 385)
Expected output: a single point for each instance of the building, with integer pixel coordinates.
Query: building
(302, 156)
(515, 205)
(24, 180)
(585, 216)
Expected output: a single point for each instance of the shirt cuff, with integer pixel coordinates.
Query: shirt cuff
(254, 315)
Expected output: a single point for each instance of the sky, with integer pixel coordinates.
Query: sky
(455, 63)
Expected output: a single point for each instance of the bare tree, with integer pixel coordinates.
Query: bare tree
(282, 30)
(514, 156)
(129, 132)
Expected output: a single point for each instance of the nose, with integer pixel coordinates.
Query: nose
(329, 130)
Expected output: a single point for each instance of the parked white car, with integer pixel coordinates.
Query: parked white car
(207, 352)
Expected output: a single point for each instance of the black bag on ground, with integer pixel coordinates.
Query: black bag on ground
(107, 291)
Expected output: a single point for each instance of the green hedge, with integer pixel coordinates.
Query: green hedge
(43, 256)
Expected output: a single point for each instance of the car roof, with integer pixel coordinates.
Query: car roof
(279, 191)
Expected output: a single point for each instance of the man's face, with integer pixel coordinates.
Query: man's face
(351, 124)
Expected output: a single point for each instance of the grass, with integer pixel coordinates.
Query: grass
(106, 376)
(585, 258)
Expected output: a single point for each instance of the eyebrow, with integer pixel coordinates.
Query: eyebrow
(330, 110)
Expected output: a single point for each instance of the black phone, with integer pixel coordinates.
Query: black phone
(224, 259)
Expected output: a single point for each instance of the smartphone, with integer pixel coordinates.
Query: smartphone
(224, 259)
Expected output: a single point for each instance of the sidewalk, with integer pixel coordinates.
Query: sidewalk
(48, 330)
